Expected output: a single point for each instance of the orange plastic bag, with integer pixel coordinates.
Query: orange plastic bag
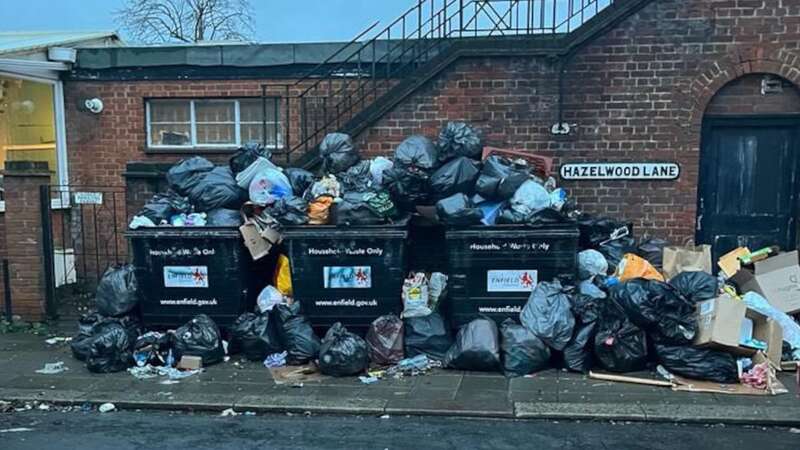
(282, 279)
(319, 210)
(633, 266)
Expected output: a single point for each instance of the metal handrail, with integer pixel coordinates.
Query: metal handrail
(342, 86)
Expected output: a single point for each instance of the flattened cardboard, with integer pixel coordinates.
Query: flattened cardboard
(259, 244)
(190, 363)
(777, 279)
(719, 325)
(774, 387)
(729, 263)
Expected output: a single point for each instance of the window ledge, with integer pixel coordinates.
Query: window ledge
(196, 150)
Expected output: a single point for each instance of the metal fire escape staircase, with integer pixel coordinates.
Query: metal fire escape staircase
(362, 81)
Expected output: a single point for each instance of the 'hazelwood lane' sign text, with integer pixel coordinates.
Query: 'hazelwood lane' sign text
(621, 171)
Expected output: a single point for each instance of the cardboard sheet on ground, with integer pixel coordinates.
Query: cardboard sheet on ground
(297, 374)
(681, 384)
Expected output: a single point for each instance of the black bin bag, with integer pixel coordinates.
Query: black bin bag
(162, 207)
(523, 353)
(456, 176)
(500, 178)
(222, 217)
(578, 354)
(408, 187)
(385, 340)
(548, 314)
(199, 337)
(111, 348)
(698, 363)
(657, 308)
(459, 139)
(416, 153)
(477, 347)
(619, 345)
(255, 336)
(296, 334)
(652, 250)
(187, 173)
(300, 179)
(247, 155)
(338, 153)
(342, 353)
(695, 286)
(217, 189)
(81, 343)
(458, 211)
(428, 336)
(117, 291)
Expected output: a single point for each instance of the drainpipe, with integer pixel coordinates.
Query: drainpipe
(560, 127)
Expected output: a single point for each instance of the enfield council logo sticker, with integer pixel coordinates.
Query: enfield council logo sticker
(511, 280)
(186, 276)
(347, 277)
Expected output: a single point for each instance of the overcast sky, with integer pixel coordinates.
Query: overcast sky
(276, 20)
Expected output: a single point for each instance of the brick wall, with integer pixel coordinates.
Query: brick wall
(638, 93)
(743, 96)
(2, 256)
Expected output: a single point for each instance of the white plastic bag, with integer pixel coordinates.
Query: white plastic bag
(590, 264)
(437, 288)
(376, 168)
(245, 177)
(530, 198)
(269, 186)
(268, 298)
(416, 296)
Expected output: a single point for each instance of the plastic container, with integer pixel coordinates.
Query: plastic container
(183, 272)
(351, 275)
(494, 269)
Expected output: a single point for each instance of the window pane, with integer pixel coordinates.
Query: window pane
(170, 134)
(251, 110)
(174, 111)
(214, 112)
(216, 133)
(253, 132)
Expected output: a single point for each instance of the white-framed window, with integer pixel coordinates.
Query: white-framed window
(212, 123)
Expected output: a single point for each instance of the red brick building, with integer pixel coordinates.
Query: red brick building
(712, 85)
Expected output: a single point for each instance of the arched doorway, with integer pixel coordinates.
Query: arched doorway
(749, 184)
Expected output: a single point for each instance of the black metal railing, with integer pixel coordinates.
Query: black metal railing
(360, 72)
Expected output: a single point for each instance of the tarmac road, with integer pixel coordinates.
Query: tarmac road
(164, 430)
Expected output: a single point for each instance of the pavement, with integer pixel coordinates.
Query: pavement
(125, 430)
(248, 386)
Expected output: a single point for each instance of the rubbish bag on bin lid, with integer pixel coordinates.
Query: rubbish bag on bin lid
(385, 340)
(299, 179)
(653, 251)
(416, 152)
(548, 314)
(342, 353)
(199, 337)
(632, 266)
(415, 296)
(408, 188)
(791, 329)
(338, 153)
(184, 175)
(596, 230)
(217, 189)
(247, 155)
(698, 363)
(658, 308)
(614, 250)
(456, 176)
(357, 178)
(268, 299)
(376, 168)
(354, 209)
(695, 286)
(282, 279)
(458, 210)
(427, 335)
(476, 347)
(222, 217)
(270, 186)
(289, 211)
(459, 139)
(523, 353)
(296, 334)
(111, 348)
(591, 263)
(530, 198)
(490, 210)
(117, 291)
(619, 345)
(255, 336)
(319, 210)
(327, 185)
(163, 206)
(500, 178)
(245, 177)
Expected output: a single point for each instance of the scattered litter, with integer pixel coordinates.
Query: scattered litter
(57, 340)
(148, 371)
(418, 365)
(368, 380)
(794, 430)
(249, 413)
(169, 382)
(16, 430)
(53, 368)
(229, 413)
(385, 416)
(106, 407)
(44, 407)
(276, 360)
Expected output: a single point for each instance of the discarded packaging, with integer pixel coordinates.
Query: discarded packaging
(775, 279)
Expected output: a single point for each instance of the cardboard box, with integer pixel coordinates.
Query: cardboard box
(777, 279)
(259, 243)
(720, 324)
(190, 363)
(729, 263)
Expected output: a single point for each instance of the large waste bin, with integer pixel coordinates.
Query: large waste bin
(494, 269)
(183, 272)
(347, 274)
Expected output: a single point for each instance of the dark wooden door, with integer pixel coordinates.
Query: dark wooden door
(748, 192)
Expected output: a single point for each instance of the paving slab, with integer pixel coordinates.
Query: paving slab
(584, 411)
